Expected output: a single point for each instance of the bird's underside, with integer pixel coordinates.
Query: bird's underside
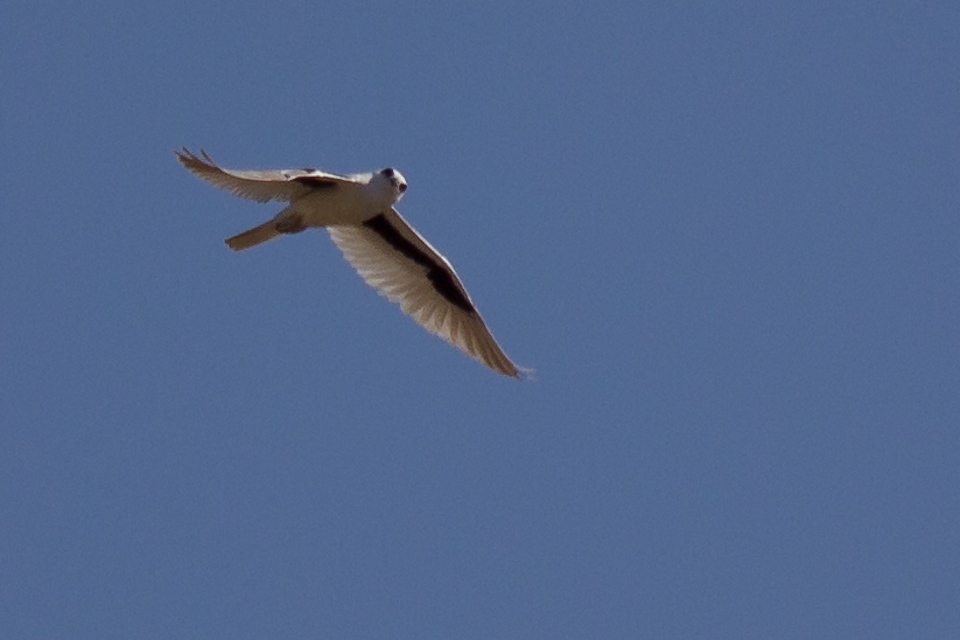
(384, 249)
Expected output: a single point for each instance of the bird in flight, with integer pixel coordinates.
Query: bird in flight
(358, 212)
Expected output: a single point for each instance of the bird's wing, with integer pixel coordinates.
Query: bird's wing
(262, 186)
(399, 263)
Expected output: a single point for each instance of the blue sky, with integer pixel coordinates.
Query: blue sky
(726, 235)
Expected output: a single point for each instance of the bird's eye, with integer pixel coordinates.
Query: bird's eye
(387, 172)
(402, 187)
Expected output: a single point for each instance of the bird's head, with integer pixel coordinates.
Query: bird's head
(396, 180)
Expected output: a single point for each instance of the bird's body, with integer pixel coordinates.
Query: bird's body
(357, 210)
(326, 203)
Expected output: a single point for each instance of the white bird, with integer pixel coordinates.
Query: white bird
(357, 210)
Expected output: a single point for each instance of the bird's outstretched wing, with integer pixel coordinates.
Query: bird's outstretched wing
(262, 186)
(399, 263)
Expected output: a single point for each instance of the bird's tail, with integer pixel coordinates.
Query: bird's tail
(253, 237)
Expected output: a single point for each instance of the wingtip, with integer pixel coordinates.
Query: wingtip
(525, 374)
(186, 156)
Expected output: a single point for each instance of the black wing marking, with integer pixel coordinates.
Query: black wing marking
(438, 276)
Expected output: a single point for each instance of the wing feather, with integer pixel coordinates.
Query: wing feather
(402, 266)
(262, 186)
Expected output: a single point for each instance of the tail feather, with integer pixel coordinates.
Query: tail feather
(253, 237)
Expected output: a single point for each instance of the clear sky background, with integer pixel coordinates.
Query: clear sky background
(725, 234)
